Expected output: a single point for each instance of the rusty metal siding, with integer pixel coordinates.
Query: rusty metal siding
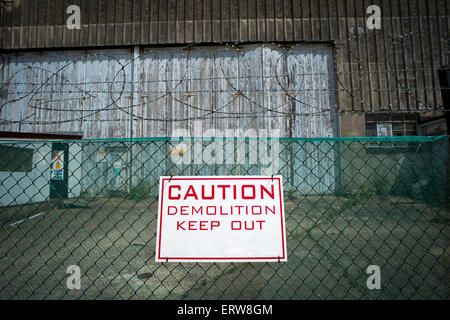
(389, 70)
(33, 24)
(151, 93)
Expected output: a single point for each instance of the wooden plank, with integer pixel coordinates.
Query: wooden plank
(252, 34)
(84, 21)
(145, 22)
(216, 21)
(270, 21)
(207, 23)
(228, 29)
(171, 21)
(198, 21)
(119, 22)
(102, 19)
(189, 16)
(297, 28)
(261, 20)
(154, 22)
(243, 21)
(136, 22)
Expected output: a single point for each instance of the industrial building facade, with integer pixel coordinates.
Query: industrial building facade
(146, 68)
(346, 99)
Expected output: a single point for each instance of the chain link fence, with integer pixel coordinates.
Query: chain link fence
(350, 203)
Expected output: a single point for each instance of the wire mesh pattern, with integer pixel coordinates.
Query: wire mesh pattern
(349, 203)
(271, 82)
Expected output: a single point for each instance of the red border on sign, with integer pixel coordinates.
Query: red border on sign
(222, 258)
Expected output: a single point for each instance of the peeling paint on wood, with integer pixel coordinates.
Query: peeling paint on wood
(255, 87)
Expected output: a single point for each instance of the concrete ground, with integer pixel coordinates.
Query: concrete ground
(331, 242)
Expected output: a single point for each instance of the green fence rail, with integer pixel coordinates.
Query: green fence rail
(350, 204)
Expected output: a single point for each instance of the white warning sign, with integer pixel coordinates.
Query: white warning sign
(221, 219)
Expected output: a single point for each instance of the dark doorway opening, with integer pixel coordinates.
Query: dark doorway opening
(59, 186)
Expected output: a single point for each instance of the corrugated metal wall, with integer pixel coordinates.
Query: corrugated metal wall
(391, 69)
(118, 93)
